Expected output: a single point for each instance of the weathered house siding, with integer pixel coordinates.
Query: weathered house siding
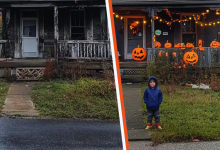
(95, 28)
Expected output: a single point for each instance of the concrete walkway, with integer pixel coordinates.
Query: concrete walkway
(133, 111)
(147, 145)
(18, 100)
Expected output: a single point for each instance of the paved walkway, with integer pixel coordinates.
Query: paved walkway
(133, 111)
(147, 145)
(18, 100)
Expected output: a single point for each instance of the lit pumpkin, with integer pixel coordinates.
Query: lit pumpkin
(178, 45)
(167, 45)
(202, 49)
(174, 54)
(139, 53)
(166, 54)
(189, 45)
(157, 45)
(191, 57)
(214, 44)
(200, 43)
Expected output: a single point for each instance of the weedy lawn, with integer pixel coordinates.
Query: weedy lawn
(187, 114)
(84, 98)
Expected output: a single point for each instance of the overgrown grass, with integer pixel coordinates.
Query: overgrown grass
(84, 98)
(3, 92)
(187, 114)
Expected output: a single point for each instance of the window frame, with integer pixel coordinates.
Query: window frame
(182, 33)
(84, 26)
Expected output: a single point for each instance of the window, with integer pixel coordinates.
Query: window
(188, 29)
(77, 25)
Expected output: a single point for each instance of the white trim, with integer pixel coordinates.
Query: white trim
(126, 33)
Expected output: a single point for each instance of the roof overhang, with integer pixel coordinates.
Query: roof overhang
(165, 3)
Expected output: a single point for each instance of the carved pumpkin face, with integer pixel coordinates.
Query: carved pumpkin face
(189, 45)
(178, 45)
(157, 45)
(167, 45)
(139, 54)
(174, 54)
(190, 58)
(214, 44)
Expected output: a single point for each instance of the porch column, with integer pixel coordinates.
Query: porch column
(103, 24)
(5, 32)
(152, 27)
(56, 33)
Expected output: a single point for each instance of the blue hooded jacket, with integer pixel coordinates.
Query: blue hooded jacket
(153, 96)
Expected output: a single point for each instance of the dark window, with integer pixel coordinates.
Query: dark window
(77, 25)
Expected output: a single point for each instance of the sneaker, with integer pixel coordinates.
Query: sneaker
(159, 127)
(148, 127)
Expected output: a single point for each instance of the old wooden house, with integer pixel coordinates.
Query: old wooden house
(179, 22)
(35, 30)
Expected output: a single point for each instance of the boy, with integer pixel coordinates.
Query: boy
(153, 98)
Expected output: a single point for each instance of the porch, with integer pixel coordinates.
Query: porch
(55, 30)
(176, 26)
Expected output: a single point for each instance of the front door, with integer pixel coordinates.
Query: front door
(29, 37)
(135, 35)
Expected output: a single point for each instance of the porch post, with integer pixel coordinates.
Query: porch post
(152, 27)
(56, 33)
(103, 24)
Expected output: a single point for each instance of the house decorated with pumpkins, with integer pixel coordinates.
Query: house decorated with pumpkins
(182, 30)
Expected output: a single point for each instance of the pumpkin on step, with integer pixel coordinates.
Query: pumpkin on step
(191, 57)
(157, 45)
(189, 45)
(215, 43)
(178, 45)
(167, 45)
(139, 53)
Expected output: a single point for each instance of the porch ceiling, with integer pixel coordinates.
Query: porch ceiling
(51, 3)
(165, 3)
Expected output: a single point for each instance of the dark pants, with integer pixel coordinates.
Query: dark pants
(155, 114)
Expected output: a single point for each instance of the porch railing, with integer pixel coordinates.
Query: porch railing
(84, 49)
(210, 56)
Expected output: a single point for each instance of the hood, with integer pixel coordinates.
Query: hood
(152, 77)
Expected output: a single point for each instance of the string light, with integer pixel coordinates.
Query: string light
(169, 23)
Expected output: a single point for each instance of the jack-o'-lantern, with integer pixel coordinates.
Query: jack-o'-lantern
(174, 54)
(191, 58)
(178, 45)
(215, 43)
(167, 45)
(200, 43)
(139, 53)
(189, 45)
(157, 45)
(166, 54)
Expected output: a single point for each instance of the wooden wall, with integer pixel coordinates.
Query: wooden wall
(95, 28)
